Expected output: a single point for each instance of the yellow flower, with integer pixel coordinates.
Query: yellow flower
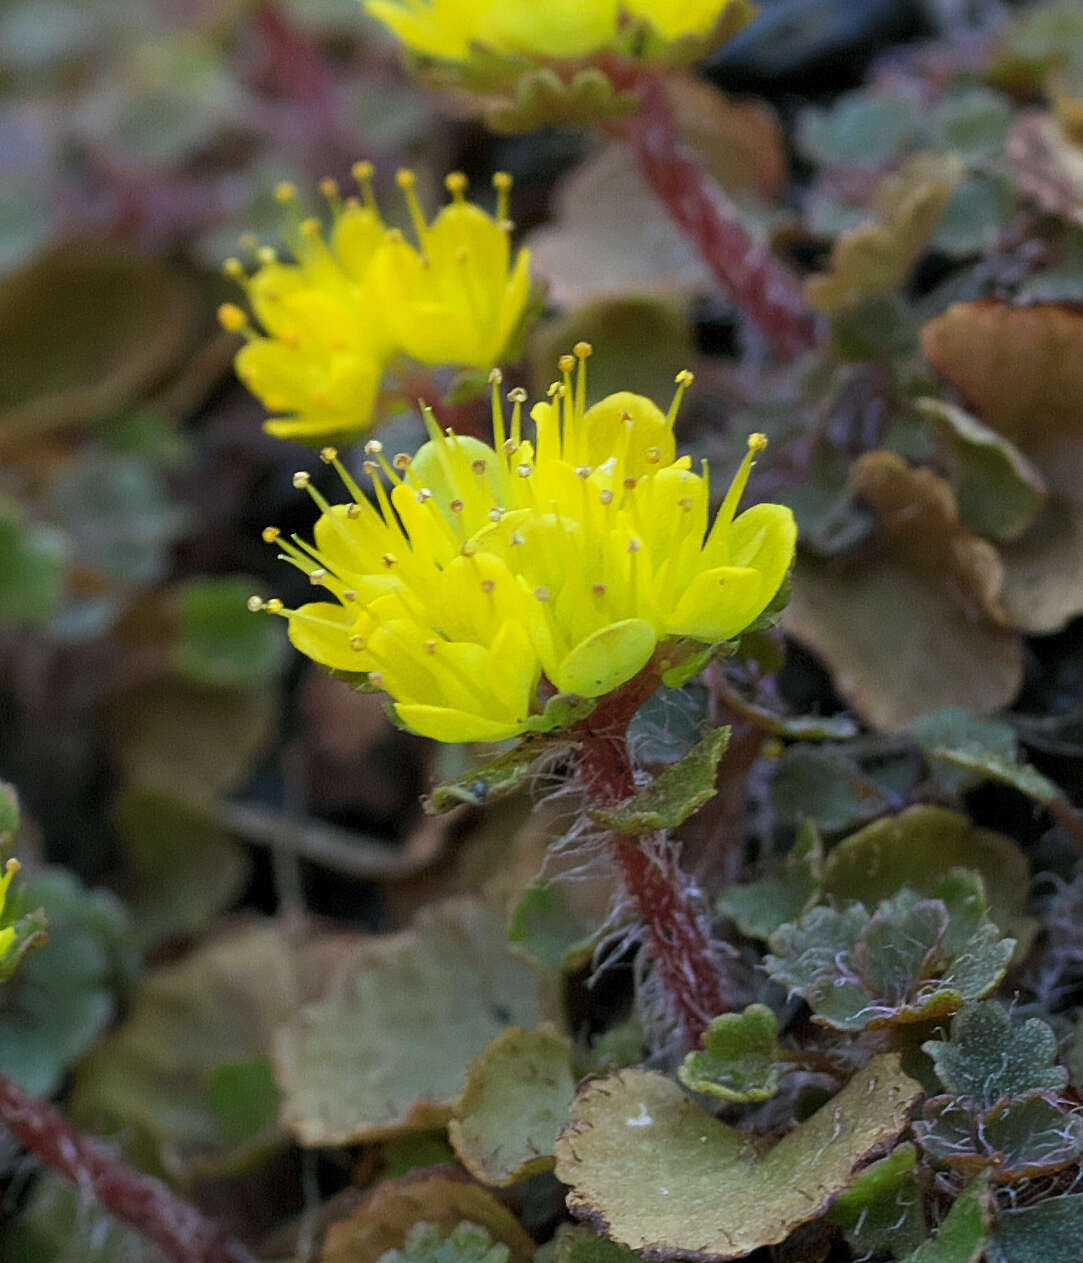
(8, 933)
(481, 568)
(333, 318)
(451, 30)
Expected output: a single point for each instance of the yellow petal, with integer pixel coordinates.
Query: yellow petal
(322, 631)
(719, 603)
(443, 724)
(607, 659)
(764, 537)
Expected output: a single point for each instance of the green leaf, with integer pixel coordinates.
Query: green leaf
(403, 1154)
(1047, 1232)
(365, 1063)
(825, 785)
(989, 765)
(502, 775)
(740, 1057)
(919, 847)
(679, 789)
(909, 962)
(543, 99)
(956, 728)
(578, 1244)
(861, 129)
(244, 1096)
(468, 1243)
(961, 1237)
(195, 1027)
(978, 213)
(545, 930)
(991, 1055)
(220, 641)
(883, 1211)
(183, 868)
(664, 1176)
(64, 994)
(562, 710)
(513, 1105)
(760, 907)
(1000, 492)
(33, 558)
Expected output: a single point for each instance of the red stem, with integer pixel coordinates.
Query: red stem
(143, 1203)
(760, 286)
(676, 931)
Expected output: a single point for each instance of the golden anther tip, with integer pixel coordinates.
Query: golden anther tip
(274, 606)
(429, 646)
(495, 377)
(516, 539)
(231, 317)
(328, 187)
(517, 395)
(285, 191)
(478, 466)
(652, 455)
(510, 447)
(456, 506)
(389, 560)
(455, 182)
(248, 241)
(496, 513)
(757, 442)
(468, 549)
(373, 447)
(634, 545)
(233, 268)
(353, 512)
(487, 585)
(582, 350)
(376, 678)
(328, 454)
(349, 595)
(684, 378)
(598, 589)
(362, 171)
(566, 363)
(630, 483)
(501, 181)
(12, 865)
(542, 593)
(605, 496)
(301, 479)
(317, 576)
(267, 255)
(524, 470)
(405, 178)
(310, 227)
(255, 604)
(401, 460)
(357, 643)
(555, 390)
(583, 471)
(270, 534)
(423, 494)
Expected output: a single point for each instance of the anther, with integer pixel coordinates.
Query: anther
(605, 496)
(270, 534)
(582, 350)
(456, 506)
(517, 395)
(301, 479)
(501, 181)
(487, 585)
(542, 593)
(328, 455)
(566, 363)
(598, 589)
(373, 447)
(684, 378)
(686, 503)
(630, 483)
(231, 317)
(310, 227)
(353, 511)
(652, 455)
(430, 646)
(233, 268)
(455, 182)
(634, 545)
(478, 466)
(255, 604)
(405, 178)
(468, 549)
(515, 539)
(274, 606)
(495, 513)
(401, 460)
(757, 442)
(267, 255)
(423, 494)
(349, 595)
(357, 643)
(583, 471)
(389, 560)
(285, 192)
(328, 187)
(495, 377)
(362, 171)
(376, 679)
(524, 470)
(317, 576)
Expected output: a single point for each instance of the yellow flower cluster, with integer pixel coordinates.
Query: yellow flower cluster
(333, 318)
(8, 933)
(481, 577)
(452, 30)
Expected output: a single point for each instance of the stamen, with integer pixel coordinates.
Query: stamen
(683, 380)
(362, 172)
(407, 181)
(502, 184)
(456, 183)
(542, 593)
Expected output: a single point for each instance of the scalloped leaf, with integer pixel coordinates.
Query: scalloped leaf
(466, 1243)
(991, 1055)
(562, 710)
(543, 99)
(1047, 1232)
(363, 1063)
(962, 1236)
(956, 728)
(680, 789)
(913, 960)
(516, 1099)
(739, 1058)
(666, 1178)
(825, 784)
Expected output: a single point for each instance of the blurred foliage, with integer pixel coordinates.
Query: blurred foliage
(260, 946)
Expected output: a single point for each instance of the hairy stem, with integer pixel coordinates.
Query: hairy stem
(759, 285)
(676, 930)
(143, 1203)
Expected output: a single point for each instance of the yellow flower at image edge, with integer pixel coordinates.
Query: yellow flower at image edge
(8, 933)
(449, 30)
(479, 569)
(333, 318)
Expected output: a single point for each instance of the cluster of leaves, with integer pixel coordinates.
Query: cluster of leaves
(901, 1071)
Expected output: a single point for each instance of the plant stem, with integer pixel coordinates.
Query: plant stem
(140, 1201)
(676, 931)
(759, 285)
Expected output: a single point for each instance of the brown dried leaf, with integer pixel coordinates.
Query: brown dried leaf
(916, 627)
(435, 1195)
(1021, 369)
